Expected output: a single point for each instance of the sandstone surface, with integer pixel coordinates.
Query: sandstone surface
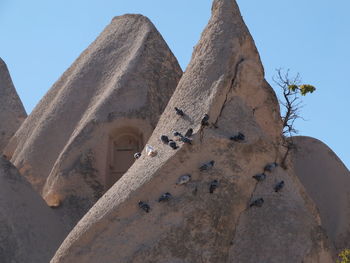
(327, 182)
(225, 79)
(82, 135)
(12, 112)
(29, 231)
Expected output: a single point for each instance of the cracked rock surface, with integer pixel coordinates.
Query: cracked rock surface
(225, 79)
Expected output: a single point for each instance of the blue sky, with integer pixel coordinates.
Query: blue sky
(40, 39)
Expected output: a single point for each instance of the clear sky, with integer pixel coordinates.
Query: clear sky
(40, 39)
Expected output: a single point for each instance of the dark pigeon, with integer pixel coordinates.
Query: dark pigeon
(186, 140)
(213, 185)
(205, 120)
(189, 132)
(260, 177)
(207, 166)
(144, 206)
(165, 197)
(173, 145)
(164, 139)
(269, 167)
(238, 138)
(258, 202)
(179, 112)
(176, 133)
(278, 187)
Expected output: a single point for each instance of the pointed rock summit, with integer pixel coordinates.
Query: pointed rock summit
(12, 112)
(29, 230)
(327, 182)
(82, 136)
(222, 94)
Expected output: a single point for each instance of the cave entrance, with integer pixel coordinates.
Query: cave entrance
(122, 150)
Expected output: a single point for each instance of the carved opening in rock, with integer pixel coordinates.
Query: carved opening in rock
(123, 144)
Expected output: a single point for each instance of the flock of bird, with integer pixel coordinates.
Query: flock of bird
(261, 177)
(184, 179)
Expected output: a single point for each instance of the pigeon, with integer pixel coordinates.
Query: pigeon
(179, 112)
(269, 167)
(183, 179)
(145, 207)
(257, 202)
(176, 133)
(279, 186)
(151, 151)
(173, 145)
(213, 185)
(165, 197)
(260, 177)
(189, 132)
(205, 120)
(164, 139)
(137, 155)
(238, 138)
(186, 140)
(207, 166)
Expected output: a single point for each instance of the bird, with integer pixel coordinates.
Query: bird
(186, 140)
(259, 177)
(179, 112)
(278, 187)
(205, 120)
(189, 132)
(237, 138)
(207, 166)
(144, 206)
(137, 155)
(172, 144)
(269, 167)
(257, 202)
(151, 151)
(164, 139)
(213, 185)
(165, 197)
(176, 133)
(183, 179)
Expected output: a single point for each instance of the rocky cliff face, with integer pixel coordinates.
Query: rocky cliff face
(327, 182)
(219, 213)
(29, 230)
(12, 112)
(118, 87)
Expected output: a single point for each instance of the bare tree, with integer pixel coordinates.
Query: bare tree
(292, 104)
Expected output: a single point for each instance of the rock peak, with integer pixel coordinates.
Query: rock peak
(222, 95)
(12, 112)
(110, 97)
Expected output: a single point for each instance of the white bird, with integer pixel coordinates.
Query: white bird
(183, 179)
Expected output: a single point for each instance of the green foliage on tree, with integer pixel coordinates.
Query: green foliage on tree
(303, 89)
(292, 88)
(344, 256)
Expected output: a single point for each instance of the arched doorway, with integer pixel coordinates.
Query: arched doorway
(123, 146)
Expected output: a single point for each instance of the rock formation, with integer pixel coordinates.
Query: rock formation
(327, 182)
(83, 134)
(199, 223)
(29, 230)
(12, 112)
